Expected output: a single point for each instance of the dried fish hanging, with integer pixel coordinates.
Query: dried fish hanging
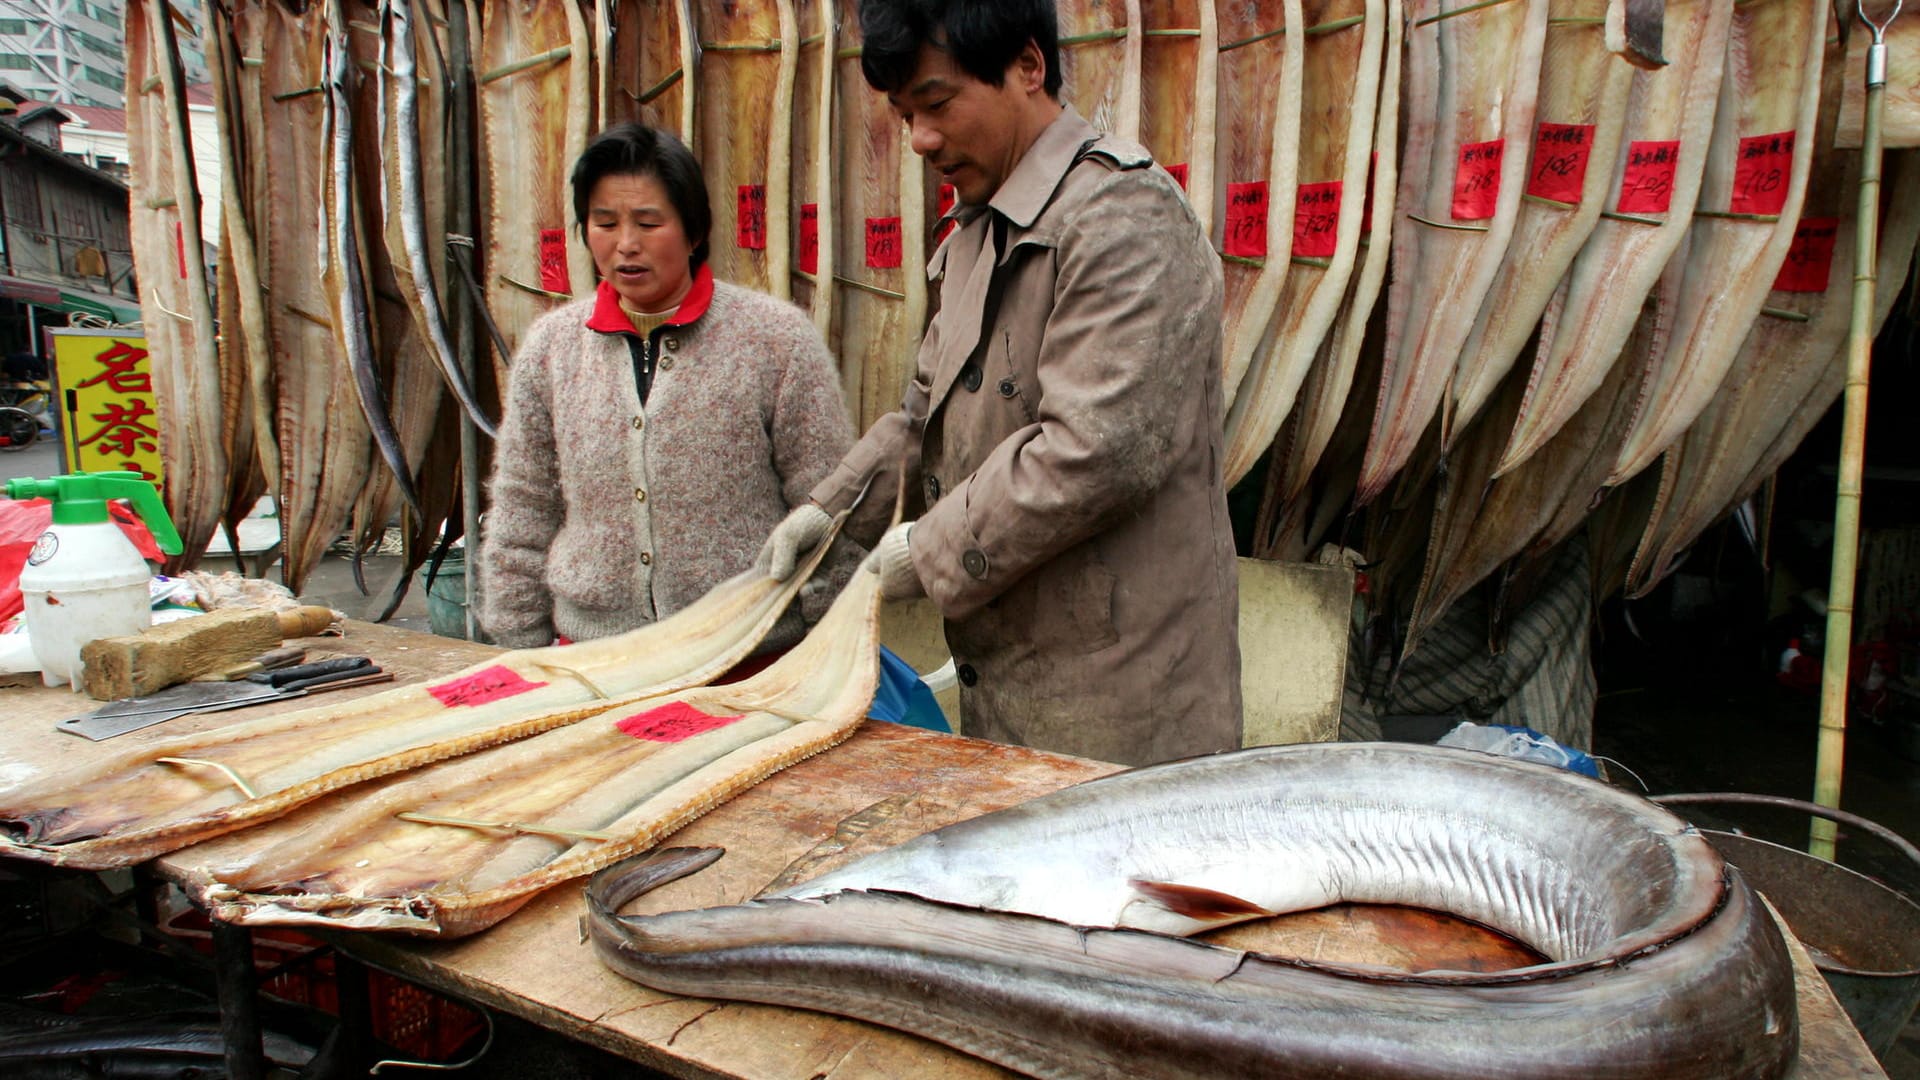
(744, 88)
(1654, 186)
(1258, 158)
(881, 238)
(1179, 93)
(157, 796)
(459, 846)
(1341, 87)
(533, 76)
(1100, 59)
(176, 304)
(1473, 76)
(812, 212)
(1750, 200)
(1584, 86)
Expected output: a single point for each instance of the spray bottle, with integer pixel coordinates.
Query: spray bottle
(85, 579)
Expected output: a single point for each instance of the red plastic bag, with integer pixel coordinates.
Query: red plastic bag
(21, 524)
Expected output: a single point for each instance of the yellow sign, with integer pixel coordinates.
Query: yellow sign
(106, 406)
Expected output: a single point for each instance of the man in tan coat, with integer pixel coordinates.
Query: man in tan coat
(1062, 435)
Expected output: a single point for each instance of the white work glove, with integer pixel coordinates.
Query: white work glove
(795, 536)
(893, 561)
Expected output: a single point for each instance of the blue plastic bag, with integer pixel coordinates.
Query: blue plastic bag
(903, 699)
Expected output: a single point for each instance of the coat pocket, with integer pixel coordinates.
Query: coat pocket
(1073, 604)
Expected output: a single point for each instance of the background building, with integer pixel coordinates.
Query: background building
(72, 51)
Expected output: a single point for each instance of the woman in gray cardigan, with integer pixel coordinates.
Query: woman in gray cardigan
(656, 430)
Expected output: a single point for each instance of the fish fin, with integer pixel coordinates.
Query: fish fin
(1195, 902)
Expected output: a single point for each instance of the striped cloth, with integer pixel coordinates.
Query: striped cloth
(1541, 677)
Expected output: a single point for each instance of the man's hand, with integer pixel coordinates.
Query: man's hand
(795, 536)
(892, 560)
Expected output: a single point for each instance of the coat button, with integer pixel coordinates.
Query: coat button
(1006, 387)
(968, 676)
(639, 422)
(646, 558)
(933, 490)
(639, 494)
(673, 344)
(975, 562)
(970, 376)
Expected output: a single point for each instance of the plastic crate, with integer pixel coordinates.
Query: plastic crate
(299, 968)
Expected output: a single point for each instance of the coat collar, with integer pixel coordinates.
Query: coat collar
(609, 319)
(1027, 191)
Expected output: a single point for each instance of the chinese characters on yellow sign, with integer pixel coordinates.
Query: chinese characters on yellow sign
(106, 408)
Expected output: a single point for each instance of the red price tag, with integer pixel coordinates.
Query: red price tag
(1316, 219)
(1760, 173)
(948, 196)
(1476, 181)
(1646, 186)
(810, 238)
(1179, 174)
(1560, 153)
(1247, 220)
(553, 260)
(487, 684)
(673, 722)
(1366, 208)
(180, 247)
(883, 242)
(750, 225)
(1810, 259)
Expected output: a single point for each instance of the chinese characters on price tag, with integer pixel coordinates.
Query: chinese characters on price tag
(883, 243)
(1476, 182)
(673, 722)
(553, 260)
(1247, 220)
(810, 238)
(750, 225)
(1810, 260)
(487, 684)
(1560, 153)
(1761, 168)
(1646, 184)
(1316, 220)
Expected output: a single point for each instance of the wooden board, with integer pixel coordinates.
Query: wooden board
(885, 785)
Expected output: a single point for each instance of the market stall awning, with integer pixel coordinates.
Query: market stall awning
(32, 292)
(112, 308)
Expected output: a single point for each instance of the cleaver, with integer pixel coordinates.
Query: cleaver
(132, 714)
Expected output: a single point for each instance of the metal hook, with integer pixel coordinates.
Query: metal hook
(447, 1066)
(1877, 52)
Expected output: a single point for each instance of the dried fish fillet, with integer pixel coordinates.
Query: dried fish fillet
(1100, 63)
(813, 213)
(1472, 77)
(1179, 93)
(1341, 80)
(162, 795)
(745, 95)
(455, 848)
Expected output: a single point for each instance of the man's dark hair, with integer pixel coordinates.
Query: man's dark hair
(635, 150)
(984, 37)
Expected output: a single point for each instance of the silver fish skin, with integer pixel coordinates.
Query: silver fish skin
(1662, 963)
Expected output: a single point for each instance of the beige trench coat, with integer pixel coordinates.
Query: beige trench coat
(1062, 441)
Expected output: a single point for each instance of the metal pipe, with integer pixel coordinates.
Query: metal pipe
(460, 221)
(1830, 758)
(239, 1019)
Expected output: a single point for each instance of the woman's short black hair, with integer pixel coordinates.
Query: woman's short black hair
(984, 37)
(636, 150)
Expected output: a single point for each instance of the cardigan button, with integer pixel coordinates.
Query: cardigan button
(666, 363)
(639, 494)
(673, 344)
(646, 558)
(639, 422)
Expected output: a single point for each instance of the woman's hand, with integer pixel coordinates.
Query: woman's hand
(892, 559)
(794, 537)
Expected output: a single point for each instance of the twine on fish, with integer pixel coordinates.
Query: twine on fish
(764, 46)
(1170, 33)
(534, 289)
(1337, 24)
(1783, 313)
(874, 289)
(1460, 11)
(1611, 215)
(658, 88)
(464, 246)
(1544, 201)
(1254, 40)
(1729, 215)
(1448, 224)
(580, 676)
(238, 781)
(1093, 37)
(518, 66)
(305, 92)
(504, 826)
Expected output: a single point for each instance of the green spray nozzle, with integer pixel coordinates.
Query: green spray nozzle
(81, 499)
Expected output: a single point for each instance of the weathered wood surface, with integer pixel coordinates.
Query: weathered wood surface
(885, 785)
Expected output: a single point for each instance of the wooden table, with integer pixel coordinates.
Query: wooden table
(885, 785)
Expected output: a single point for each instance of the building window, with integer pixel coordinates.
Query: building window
(104, 78)
(13, 26)
(15, 62)
(107, 48)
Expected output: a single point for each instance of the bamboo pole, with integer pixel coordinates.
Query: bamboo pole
(1831, 754)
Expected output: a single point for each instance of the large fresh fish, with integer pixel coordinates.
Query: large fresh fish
(457, 847)
(1179, 93)
(1256, 167)
(1473, 75)
(748, 54)
(176, 305)
(1341, 85)
(1016, 936)
(881, 233)
(325, 449)
(1655, 183)
(812, 212)
(533, 79)
(1584, 87)
(1791, 368)
(1750, 199)
(1324, 396)
(1100, 63)
(161, 794)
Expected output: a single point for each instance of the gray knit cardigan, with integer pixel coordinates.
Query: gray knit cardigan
(606, 516)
